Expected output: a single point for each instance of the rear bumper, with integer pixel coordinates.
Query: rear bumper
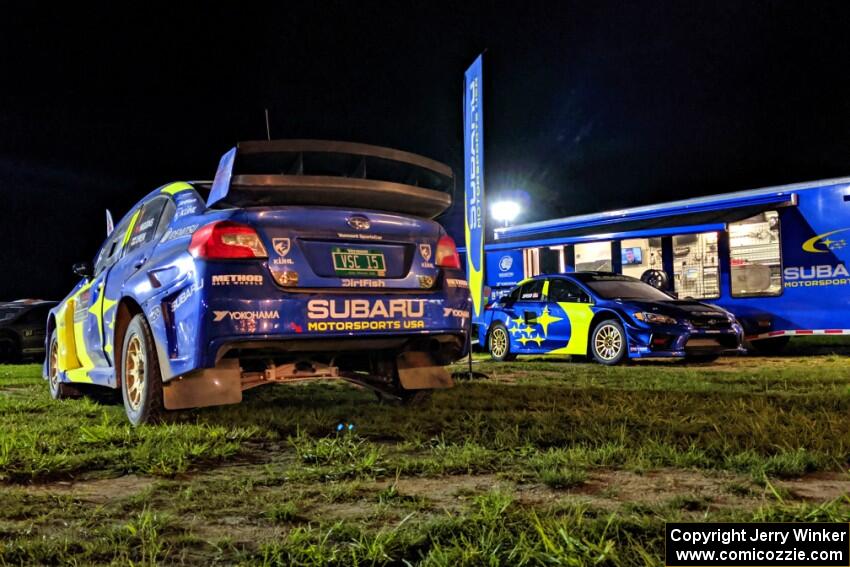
(202, 319)
(309, 322)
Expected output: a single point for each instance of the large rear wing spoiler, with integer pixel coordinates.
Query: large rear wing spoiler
(326, 173)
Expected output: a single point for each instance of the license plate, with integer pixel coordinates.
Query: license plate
(356, 262)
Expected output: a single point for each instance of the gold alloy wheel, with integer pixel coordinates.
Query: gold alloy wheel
(134, 372)
(54, 365)
(498, 342)
(608, 342)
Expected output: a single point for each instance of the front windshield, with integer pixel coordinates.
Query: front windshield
(626, 289)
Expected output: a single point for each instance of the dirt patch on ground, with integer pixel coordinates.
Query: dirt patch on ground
(818, 487)
(99, 491)
(614, 488)
(609, 489)
(447, 492)
(657, 486)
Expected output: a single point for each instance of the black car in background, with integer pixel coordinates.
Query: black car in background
(22, 327)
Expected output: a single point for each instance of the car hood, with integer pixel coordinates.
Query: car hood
(677, 308)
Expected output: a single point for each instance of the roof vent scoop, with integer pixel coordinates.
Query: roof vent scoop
(326, 173)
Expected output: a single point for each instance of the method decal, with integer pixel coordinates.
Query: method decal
(237, 279)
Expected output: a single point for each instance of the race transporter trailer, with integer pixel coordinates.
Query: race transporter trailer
(776, 257)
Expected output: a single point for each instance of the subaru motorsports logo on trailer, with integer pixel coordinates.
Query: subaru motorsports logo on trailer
(270, 279)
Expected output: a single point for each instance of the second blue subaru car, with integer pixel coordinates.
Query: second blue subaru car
(606, 316)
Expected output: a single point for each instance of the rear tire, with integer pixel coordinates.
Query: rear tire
(770, 346)
(499, 343)
(141, 380)
(58, 390)
(608, 342)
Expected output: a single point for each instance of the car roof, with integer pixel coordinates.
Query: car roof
(584, 276)
(602, 276)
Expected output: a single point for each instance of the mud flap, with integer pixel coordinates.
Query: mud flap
(209, 387)
(418, 371)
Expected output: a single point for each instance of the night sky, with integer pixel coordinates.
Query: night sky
(588, 105)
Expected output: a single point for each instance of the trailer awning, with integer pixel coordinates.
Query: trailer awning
(657, 220)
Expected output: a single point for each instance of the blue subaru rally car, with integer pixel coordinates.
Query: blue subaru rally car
(606, 316)
(307, 260)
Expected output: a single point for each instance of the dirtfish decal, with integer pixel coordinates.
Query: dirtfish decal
(364, 282)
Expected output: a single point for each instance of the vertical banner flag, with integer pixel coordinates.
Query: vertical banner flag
(473, 147)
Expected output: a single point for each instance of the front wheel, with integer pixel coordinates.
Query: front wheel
(141, 381)
(499, 344)
(608, 342)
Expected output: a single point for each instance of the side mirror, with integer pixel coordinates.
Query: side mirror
(83, 269)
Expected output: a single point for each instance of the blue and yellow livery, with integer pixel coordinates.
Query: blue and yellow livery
(307, 260)
(606, 316)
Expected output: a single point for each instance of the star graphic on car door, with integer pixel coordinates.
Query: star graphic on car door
(546, 319)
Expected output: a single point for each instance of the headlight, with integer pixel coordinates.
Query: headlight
(654, 318)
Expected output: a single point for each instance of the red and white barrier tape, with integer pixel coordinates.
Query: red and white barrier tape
(798, 332)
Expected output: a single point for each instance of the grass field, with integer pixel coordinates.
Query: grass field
(547, 462)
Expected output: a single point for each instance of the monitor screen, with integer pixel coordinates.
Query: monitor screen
(632, 255)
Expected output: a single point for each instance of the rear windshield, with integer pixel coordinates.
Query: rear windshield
(626, 289)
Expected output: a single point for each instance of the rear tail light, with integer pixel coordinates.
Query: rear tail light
(226, 239)
(447, 256)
